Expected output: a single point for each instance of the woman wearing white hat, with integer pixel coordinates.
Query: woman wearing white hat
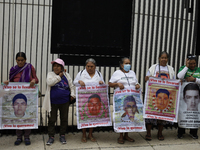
(60, 90)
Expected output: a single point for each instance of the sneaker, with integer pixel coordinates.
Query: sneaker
(194, 136)
(50, 141)
(180, 136)
(62, 139)
(18, 141)
(27, 141)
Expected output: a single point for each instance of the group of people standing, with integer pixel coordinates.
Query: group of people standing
(61, 90)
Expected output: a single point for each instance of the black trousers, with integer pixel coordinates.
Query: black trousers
(64, 109)
(25, 132)
(181, 131)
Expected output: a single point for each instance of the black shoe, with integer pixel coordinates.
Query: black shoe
(180, 136)
(27, 141)
(18, 141)
(62, 139)
(50, 141)
(194, 136)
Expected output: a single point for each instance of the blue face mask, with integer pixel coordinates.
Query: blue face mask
(127, 67)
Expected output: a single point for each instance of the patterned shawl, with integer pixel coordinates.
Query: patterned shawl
(25, 77)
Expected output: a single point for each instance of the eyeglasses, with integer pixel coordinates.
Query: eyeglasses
(189, 57)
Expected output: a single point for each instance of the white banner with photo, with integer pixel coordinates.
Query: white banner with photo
(189, 112)
(93, 109)
(128, 110)
(18, 106)
(162, 99)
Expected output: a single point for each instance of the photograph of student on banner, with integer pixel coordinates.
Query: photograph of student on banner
(94, 104)
(162, 99)
(191, 94)
(130, 109)
(19, 104)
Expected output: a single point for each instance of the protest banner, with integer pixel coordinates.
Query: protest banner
(162, 99)
(128, 110)
(19, 106)
(189, 114)
(93, 107)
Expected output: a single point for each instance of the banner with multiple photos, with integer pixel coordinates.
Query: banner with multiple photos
(128, 110)
(93, 107)
(18, 106)
(162, 99)
(189, 112)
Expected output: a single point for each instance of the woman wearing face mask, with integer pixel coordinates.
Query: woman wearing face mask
(189, 73)
(120, 79)
(161, 70)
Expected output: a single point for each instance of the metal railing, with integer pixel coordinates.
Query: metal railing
(157, 25)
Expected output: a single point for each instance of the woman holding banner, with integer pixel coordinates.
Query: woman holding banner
(120, 79)
(189, 73)
(85, 77)
(60, 91)
(22, 72)
(161, 70)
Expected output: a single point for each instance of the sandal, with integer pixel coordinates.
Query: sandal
(148, 137)
(92, 139)
(129, 139)
(120, 141)
(84, 140)
(161, 137)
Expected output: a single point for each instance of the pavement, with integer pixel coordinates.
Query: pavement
(106, 141)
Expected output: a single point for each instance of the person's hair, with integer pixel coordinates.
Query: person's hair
(190, 86)
(94, 96)
(163, 52)
(162, 91)
(19, 96)
(90, 60)
(122, 61)
(130, 99)
(21, 54)
(191, 57)
(62, 68)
